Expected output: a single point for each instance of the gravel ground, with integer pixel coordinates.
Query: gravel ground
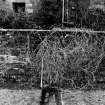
(31, 97)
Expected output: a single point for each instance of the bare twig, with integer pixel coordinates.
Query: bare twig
(42, 74)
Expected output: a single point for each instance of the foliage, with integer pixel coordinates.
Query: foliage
(15, 66)
(93, 18)
(81, 15)
(96, 19)
(19, 20)
(49, 14)
(5, 19)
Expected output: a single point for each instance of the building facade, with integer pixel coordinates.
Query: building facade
(16, 5)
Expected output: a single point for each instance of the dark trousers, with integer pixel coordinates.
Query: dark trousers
(47, 93)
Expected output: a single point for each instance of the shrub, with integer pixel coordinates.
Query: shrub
(20, 20)
(50, 13)
(5, 19)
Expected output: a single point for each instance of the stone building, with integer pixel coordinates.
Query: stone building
(16, 5)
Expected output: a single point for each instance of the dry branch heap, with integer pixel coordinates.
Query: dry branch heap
(70, 59)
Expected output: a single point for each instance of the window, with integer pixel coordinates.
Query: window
(18, 7)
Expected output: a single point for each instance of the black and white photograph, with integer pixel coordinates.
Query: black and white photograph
(52, 52)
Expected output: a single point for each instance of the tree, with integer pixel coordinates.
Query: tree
(49, 13)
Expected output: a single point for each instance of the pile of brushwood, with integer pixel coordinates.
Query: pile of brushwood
(72, 60)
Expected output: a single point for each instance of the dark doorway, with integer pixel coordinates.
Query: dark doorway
(19, 7)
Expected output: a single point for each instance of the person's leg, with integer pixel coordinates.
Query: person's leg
(58, 97)
(45, 95)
